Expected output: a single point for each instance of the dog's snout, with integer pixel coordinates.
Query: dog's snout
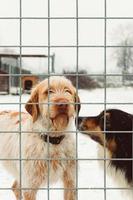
(79, 120)
(62, 104)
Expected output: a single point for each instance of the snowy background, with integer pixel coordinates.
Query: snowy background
(90, 175)
(91, 31)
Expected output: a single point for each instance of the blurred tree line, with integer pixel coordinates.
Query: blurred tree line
(124, 51)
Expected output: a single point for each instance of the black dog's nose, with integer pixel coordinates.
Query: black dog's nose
(78, 121)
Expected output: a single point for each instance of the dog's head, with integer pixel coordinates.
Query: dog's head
(111, 128)
(54, 99)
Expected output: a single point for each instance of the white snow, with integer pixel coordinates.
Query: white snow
(90, 175)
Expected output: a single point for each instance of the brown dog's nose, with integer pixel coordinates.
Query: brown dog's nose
(62, 104)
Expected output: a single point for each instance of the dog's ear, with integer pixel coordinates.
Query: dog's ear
(77, 104)
(32, 106)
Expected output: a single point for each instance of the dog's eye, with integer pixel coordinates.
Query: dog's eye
(68, 91)
(49, 91)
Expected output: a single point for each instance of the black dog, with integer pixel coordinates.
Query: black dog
(113, 129)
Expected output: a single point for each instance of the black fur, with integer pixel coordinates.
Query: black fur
(118, 121)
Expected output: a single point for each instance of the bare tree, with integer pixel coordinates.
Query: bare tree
(124, 53)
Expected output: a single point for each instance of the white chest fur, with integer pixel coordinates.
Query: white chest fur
(114, 179)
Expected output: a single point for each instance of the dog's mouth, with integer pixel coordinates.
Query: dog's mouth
(62, 115)
(92, 135)
(96, 138)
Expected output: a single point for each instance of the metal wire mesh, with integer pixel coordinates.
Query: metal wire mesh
(105, 46)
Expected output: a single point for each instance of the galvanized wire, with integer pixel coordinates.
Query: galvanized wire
(105, 74)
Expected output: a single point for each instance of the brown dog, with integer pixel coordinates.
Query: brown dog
(42, 124)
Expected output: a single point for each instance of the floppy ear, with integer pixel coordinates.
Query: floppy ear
(32, 106)
(77, 105)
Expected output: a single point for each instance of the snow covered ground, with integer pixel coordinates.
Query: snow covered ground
(90, 175)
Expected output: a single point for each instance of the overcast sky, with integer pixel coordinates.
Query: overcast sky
(63, 32)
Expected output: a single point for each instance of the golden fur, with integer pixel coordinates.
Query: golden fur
(58, 119)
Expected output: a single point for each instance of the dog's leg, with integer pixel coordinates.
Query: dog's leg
(30, 195)
(33, 180)
(69, 182)
(15, 189)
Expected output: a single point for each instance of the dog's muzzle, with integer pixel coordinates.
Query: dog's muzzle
(78, 123)
(62, 105)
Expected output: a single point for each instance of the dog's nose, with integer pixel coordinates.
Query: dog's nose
(78, 121)
(62, 104)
